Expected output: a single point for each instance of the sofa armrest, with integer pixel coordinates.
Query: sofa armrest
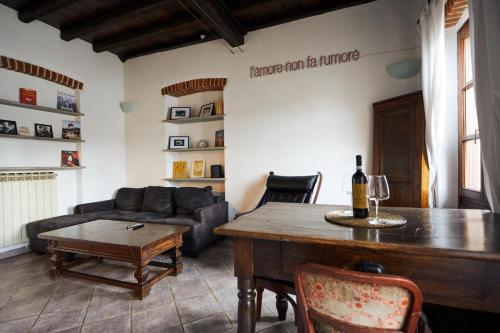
(93, 207)
(214, 215)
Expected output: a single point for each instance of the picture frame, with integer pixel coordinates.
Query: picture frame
(66, 102)
(71, 130)
(178, 142)
(198, 169)
(207, 110)
(70, 158)
(43, 131)
(179, 170)
(180, 112)
(8, 127)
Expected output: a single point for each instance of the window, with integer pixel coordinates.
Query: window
(470, 175)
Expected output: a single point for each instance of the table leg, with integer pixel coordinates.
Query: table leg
(281, 306)
(141, 275)
(57, 259)
(246, 305)
(176, 256)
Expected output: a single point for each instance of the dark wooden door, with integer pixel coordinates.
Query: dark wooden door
(399, 149)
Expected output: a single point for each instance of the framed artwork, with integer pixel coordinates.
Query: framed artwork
(198, 169)
(219, 138)
(43, 131)
(180, 112)
(66, 102)
(70, 158)
(179, 170)
(178, 142)
(71, 129)
(8, 127)
(206, 110)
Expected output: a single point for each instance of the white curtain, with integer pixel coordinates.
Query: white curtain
(485, 42)
(433, 85)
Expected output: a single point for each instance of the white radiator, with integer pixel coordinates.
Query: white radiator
(24, 197)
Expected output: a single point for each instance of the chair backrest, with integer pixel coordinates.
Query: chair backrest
(338, 300)
(297, 189)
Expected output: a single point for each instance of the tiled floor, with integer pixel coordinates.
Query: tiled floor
(201, 299)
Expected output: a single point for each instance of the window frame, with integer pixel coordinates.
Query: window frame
(467, 198)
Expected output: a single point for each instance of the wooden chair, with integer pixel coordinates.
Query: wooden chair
(336, 300)
(298, 189)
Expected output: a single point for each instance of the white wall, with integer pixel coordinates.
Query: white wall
(103, 152)
(292, 123)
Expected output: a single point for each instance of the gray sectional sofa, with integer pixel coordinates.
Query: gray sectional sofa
(195, 207)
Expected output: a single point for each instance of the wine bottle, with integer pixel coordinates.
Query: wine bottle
(359, 191)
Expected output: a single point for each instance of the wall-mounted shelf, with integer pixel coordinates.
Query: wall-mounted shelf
(9, 136)
(15, 169)
(195, 119)
(39, 108)
(185, 150)
(203, 180)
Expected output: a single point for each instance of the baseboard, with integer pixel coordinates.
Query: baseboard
(14, 250)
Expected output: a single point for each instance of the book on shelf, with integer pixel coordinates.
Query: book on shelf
(70, 158)
(27, 96)
(219, 107)
(71, 130)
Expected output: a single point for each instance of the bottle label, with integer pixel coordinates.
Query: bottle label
(359, 199)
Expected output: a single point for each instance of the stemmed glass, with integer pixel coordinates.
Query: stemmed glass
(347, 189)
(378, 190)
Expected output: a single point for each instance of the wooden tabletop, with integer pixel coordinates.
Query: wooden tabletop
(450, 232)
(114, 232)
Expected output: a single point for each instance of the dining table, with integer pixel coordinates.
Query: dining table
(453, 255)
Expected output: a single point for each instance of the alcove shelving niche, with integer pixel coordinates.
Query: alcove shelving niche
(194, 94)
(35, 153)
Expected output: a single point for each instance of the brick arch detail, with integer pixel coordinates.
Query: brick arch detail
(194, 86)
(40, 72)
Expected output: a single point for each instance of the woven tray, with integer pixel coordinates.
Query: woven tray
(340, 217)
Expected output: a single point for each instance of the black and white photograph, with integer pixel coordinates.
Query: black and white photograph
(66, 102)
(207, 110)
(71, 129)
(178, 112)
(8, 127)
(43, 131)
(178, 142)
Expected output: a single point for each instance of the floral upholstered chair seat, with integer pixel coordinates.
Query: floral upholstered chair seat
(355, 302)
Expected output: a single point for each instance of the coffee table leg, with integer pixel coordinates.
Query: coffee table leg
(57, 259)
(141, 275)
(176, 256)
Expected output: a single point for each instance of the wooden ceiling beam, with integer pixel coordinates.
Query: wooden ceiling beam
(218, 18)
(121, 41)
(38, 9)
(161, 47)
(321, 8)
(111, 17)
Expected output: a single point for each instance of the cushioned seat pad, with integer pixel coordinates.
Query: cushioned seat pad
(35, 228)
(126, 215)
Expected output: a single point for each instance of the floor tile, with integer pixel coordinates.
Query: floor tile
(67, 301)
(188, 289)
(155, 299)
(103, 292)
(196, 308)
(33, 292)
(21, 309)
(115, 325)
(218, 323)
(156, 319)
(102, 310)
(59, 320)
(221, 281)
(227, 298)
(18, 326)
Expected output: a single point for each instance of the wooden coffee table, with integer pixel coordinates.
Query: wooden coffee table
(111, 239)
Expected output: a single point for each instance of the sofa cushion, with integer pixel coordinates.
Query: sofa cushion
(127, 215)
(190, 198)
(196, 231)
(159, 199)
(53, 223)
(129, 198)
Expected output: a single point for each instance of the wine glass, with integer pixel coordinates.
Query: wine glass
(378, 190)
(347, 189)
